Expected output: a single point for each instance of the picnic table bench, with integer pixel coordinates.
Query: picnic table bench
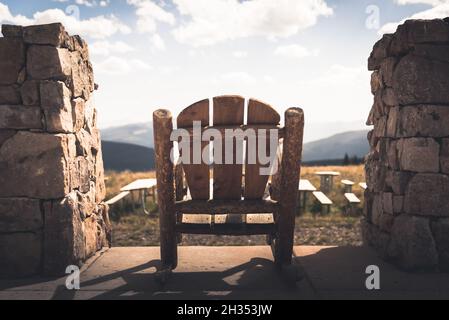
(118, 197)
(352, 198)
(324, 201)
(145, 187)
(305, 187)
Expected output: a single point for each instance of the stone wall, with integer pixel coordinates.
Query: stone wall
(51, 170)
(406, 214)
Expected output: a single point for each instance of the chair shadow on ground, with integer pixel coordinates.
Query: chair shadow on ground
(255, 279)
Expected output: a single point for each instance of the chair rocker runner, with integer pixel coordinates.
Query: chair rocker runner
(225, 193)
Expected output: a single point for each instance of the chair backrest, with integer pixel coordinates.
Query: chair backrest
(228, 112)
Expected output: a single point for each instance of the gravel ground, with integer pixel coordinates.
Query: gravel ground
(138, 230)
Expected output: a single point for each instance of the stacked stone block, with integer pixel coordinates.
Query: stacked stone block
(51, 170)
(406, 216)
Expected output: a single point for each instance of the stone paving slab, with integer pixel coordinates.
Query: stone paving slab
(233, 273)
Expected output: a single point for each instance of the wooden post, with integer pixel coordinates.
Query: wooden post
(291, 169)
(179, 192)
(163, 126)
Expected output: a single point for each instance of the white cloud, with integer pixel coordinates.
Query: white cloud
(240, 54)
(212, 21)
(339, 75)
(87, 3)
(99, 27)
(439, 10)
(295, 51)
(430, 2)
(157, 42)
(268, 79)
(7, 17)
(106, 48)
(149, 14)
(118, 66)
(237, 77)
(90, 3)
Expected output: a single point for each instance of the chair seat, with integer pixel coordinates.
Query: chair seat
(225, 228)
(226, 206)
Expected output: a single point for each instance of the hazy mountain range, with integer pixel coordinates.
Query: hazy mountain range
(131, 147)
(142, 133)
(352, 143)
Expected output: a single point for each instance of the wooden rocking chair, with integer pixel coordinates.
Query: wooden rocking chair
(234, 193)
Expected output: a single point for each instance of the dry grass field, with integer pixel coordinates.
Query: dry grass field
(133, 228)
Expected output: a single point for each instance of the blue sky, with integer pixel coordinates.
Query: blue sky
(149, 54)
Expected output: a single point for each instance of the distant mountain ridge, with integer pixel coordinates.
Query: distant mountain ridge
(140, 134)
(119, 156)
(130, 147)
(352, 143)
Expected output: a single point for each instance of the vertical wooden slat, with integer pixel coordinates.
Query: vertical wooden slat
(162, 127)
(197, 175)
(258, 113)
(228, 110)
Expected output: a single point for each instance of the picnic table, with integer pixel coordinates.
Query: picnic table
(327, 180)
(145, 187)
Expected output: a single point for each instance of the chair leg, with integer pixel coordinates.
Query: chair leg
(169, 242)
(283, 243)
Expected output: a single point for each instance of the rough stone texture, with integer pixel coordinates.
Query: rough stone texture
(5, 134)
(19, 215)
(30, 93)
(55, 101)
(387, 71)
(75, 228)
(424, 121)
(417, 80)
(35, 165)
(392, 154)
(63, 235)
(398, 181)
(440, 229)
(407, 203)
(21, 254)
(12, 31)
(387, 202)
(78, 106)
(392, 122)
(49, 34)
(12, 59)
(82, 81)
(20, 117)
(10, 95)
(376, 82)
(419, 155)
(51, 167)
(45, 62)
(398, 204)
(444, 155)
(379, 53)
(427, 194)
(412, 244)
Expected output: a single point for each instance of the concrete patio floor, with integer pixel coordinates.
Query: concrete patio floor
(233, 273)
